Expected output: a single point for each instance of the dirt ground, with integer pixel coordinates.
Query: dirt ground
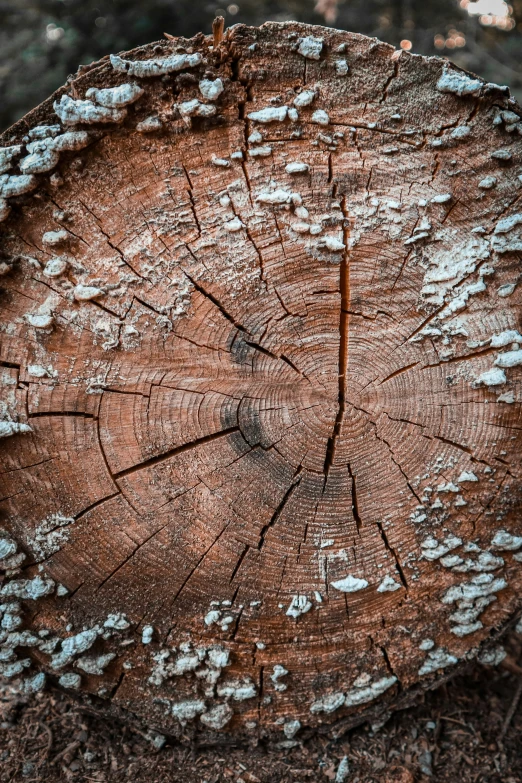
(469, 730)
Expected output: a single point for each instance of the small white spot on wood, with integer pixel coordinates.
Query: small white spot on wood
(458, 83)
(310, 47)
(211, 90)
(269, 114)
(350, 584)
(320, 117)
(83, 293)
(388, 584)
(297, 168)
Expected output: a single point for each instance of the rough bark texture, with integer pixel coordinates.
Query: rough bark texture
(263, 418)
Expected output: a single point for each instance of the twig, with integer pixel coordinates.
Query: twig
(68, 749)
(510, 712)
(49, 738)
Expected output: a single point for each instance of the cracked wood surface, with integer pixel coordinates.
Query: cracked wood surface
(251, 414)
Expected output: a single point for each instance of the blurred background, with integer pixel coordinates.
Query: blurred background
(42, 41)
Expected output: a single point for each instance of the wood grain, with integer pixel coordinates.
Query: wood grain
(270, 446)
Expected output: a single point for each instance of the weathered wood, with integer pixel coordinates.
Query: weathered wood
(262, 378)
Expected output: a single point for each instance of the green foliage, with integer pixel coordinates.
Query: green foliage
(42, 41)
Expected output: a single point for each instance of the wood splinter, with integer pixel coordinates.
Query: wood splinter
(218, 26)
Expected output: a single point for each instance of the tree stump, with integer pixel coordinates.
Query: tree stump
(262, 372)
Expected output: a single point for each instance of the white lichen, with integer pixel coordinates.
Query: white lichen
(364, 690)
(84, 293)
(28, 589)
(16, 184)
(492, 657)
(388, 585)
(149, 125)
(487, 183)
(73, 646)
(117, 622)
(505, 541)
(185, 711)
(297, 168)
(299, 605)
(493, 377)
(310, 47)
(483, 584)
(211, 90)
(70, 680)
(509, 359)
(328, 703)
(221, 162)
(115, 97)
(269, 114)
(8, 428)
(278, 196)
(343, 770)
(507, 236)
(350, 584)
(146, 634)
(56, 238)
(55, 267)
(217, 717)
(156, 67)
(50, 535)
(95, 664)
(73, 112)
(334, 244)
(278, 672)
(320, 117)
(458, 83)
(437, 658)
(7, 154)
(238, 690)
(505, 338)
(234, 225)
(260, 152)
(195, 108)
(304, 98)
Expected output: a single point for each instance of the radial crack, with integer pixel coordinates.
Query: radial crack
(177, 450)
(344, 287)
(355, 505)
(279, 510)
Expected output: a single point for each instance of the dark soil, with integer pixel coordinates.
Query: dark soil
(468, 730)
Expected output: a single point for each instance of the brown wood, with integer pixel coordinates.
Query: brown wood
(274, 409)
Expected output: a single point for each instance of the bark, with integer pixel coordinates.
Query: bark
(262, 378)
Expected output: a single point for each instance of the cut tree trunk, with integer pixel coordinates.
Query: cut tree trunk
(262, 375)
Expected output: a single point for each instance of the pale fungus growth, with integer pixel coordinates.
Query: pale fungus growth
(320, 117)
(115, 97)
(304, 98)
(458, 83)
(159, 67)
(269, 114)
(149, 125)
(297, 168)
(84, 293)
(299, 605)
(86, 112)
(350, 584)
(7, 155)
(311, 47)
(211, 90)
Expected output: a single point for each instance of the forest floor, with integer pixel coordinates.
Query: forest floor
(467, 731)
